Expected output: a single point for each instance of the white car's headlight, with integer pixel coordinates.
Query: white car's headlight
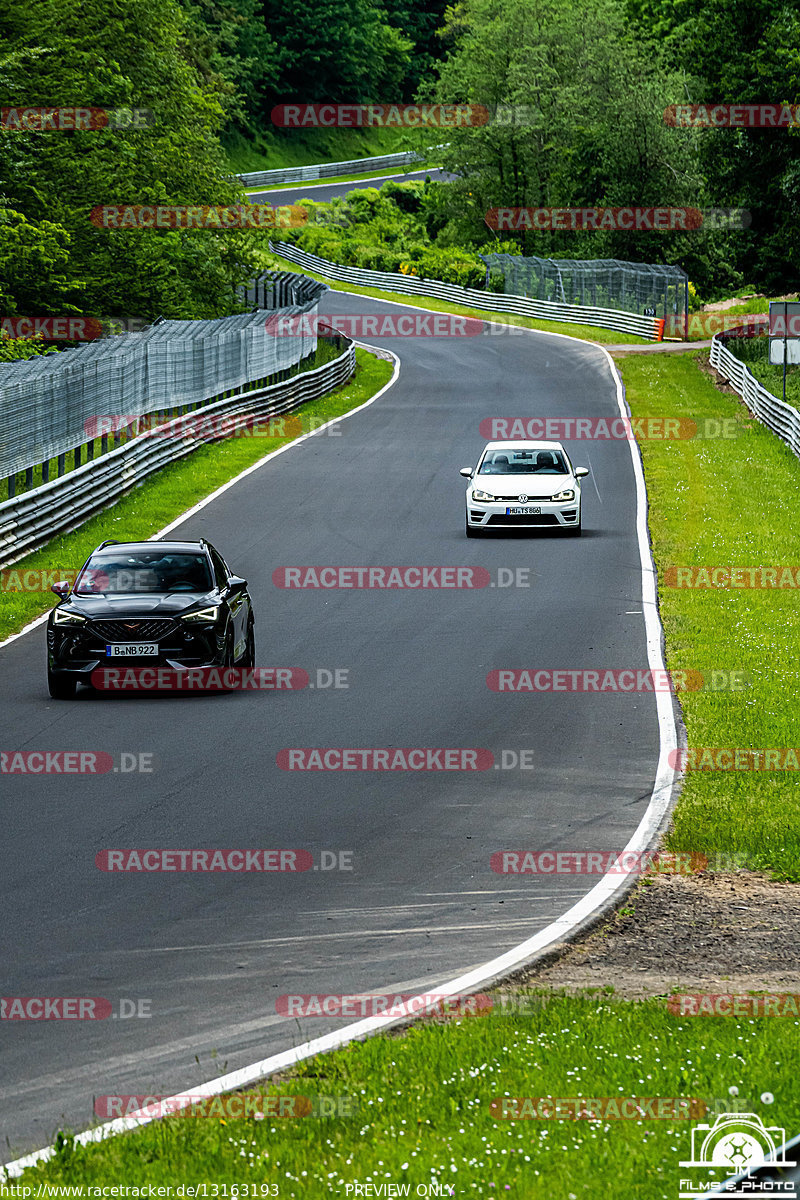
(482, 497)
(62, 616)
(205, 615)
(567, 494)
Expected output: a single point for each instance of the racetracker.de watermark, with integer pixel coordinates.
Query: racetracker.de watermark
(198, 216)
(75, 762)
(72, 1008)
(614, 680)
(733, 116)
(390, 758)
(377, 1004)
(736, 758)
(70, 119)
(199, 679)
(623, 220)
(399, 578)
(729, 1004)
(360, 325)
(596, 1108)
(596, 862)
(216, 426)
(605, 429)
(236, 862)
(247, 1105)
(55, 329)
(704, 578)
(359, 116)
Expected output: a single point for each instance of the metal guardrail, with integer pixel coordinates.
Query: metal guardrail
(29, 521)
(623, 322)
(49, 404)
(355, 166)
(783, 419)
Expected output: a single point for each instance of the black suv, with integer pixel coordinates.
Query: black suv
(169, 604)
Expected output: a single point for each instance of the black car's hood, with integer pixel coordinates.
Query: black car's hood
(159, 604)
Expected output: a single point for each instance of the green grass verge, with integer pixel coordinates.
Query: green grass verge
(726, 501)
(422, 1109)
(590, 333)
(170, 492)
(273, 148)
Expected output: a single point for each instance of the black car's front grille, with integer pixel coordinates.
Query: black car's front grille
(509, 519)
(142, 630)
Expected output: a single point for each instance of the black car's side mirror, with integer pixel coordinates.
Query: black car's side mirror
(236, 583)
(61, 588)
(467, 472)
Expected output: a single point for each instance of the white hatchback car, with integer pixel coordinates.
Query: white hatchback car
(524, 484)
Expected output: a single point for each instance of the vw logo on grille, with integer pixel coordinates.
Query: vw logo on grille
(523, 497)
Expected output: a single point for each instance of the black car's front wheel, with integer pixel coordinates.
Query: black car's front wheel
(60, 687)
(249, 658)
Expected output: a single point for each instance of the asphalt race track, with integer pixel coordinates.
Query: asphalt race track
(211, 953)
(326, 191)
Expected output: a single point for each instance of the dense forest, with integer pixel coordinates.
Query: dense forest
(592, 80)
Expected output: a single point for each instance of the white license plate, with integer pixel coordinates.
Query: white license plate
(523, 512)
(132, 650)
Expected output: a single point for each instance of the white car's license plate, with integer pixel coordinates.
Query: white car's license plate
(132, 650)
(523, 512)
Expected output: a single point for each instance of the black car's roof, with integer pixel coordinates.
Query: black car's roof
(169, 547)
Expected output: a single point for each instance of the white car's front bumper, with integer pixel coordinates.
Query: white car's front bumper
(535, 514)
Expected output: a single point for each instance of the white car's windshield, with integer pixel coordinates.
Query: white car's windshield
(523, 462)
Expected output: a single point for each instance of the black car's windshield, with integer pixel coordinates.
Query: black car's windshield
(144, 571)
(523, 462)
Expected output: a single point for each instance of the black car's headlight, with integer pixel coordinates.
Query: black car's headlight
(63, 616)
(567, 494)
(482, 497)
(206, 615)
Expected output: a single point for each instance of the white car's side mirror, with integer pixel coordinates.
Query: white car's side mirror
(580, 472)
(467, 472)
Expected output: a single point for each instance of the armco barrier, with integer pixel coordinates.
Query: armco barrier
(30, 520)
(783, 419)
(355, 166)
(623, 322)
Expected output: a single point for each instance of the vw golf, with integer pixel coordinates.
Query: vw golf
(524, 484)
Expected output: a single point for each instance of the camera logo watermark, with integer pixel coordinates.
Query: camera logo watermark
(735, 1143)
